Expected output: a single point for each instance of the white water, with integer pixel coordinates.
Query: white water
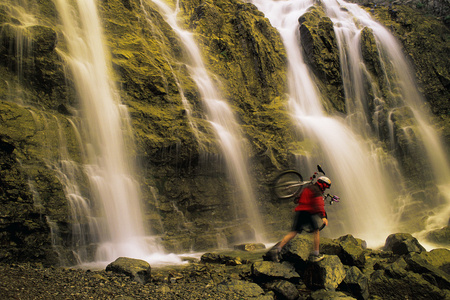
(363, 174)
(114, 190)
(358, 174)
(222, 119)
(348, 25)
(22, 11)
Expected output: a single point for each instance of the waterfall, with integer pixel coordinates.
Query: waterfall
(22, 47)
(400, 80)
(357, 172)
(114, 191)
(366, 177)
(222, 119)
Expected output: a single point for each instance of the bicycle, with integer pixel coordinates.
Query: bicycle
(290, 183)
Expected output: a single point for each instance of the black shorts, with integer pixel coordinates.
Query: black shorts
(304, 221)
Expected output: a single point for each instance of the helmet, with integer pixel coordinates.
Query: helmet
(324, 182)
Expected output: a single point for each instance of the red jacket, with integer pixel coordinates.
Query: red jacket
(311, 200)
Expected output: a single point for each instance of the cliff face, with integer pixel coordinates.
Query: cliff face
(38, 105)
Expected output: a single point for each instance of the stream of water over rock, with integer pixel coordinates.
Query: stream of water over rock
(364, 174)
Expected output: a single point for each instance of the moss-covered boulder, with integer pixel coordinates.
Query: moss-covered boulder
(322, 54)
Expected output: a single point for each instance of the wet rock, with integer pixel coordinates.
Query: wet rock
(137, 269)
(403, 243)
(325, 274)
(352, 251)
(297, 252)
(283, 289)
(433, 274)
(330, 247)
(246, 290)
(221, 259)
(410, 285)
(250, 247)
(440, 236)
(439, 258)
(356, 283)
(44, 39)
(267, 270)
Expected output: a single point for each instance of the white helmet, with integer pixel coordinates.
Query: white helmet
(324, 181)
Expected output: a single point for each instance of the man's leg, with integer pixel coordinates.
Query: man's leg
(277, 248)
(315, 254)
(286, 239)
(316, 241)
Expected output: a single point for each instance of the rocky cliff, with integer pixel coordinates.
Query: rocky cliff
(39, 107)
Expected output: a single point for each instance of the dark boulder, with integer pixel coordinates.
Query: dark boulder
(355, 283)
(245, 289)
(283, 289)
(137, 269)
(417, 264)
(352, 251)
(267, 271)
(402, 243)
(326, 274)
(221, 259)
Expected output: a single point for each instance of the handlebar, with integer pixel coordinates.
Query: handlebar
(333, 198)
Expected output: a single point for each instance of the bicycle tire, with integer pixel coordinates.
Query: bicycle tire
(287, 184)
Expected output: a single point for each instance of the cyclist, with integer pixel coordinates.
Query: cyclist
(310, 212)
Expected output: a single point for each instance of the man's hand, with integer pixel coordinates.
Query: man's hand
(325, 221)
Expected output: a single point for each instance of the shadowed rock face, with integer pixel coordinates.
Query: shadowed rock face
(247, 58)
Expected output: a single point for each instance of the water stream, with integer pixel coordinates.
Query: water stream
(356, 172)
(364, 175)
(399, 76)
(114, 191)
(222, 119)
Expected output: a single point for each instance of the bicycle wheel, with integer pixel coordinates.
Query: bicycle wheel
(287, 184)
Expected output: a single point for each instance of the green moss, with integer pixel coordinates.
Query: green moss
(322, 55)
(426, 41)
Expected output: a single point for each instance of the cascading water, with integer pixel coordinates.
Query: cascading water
(23, 44)
(359, 175)
(400, 80)
(108, 168)
(222, 119)
(364, 177)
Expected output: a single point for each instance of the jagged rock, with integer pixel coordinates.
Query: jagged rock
(246, 290)
(402, 243)
(330, 247)
(433, 274)
(352, 251)
(440, 236)
(267, 270)
(137, 269)
(410, 285)
(250, 247)
(297, 252)
(398, 268)
(439, 258)
(221, 259)
(326, 274)
(283, 289)
(356, 283)
(44, 39)
(329, 295)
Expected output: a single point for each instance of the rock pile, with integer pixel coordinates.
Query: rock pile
(403, 269)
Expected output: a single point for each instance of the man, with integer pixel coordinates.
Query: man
(309, 213)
